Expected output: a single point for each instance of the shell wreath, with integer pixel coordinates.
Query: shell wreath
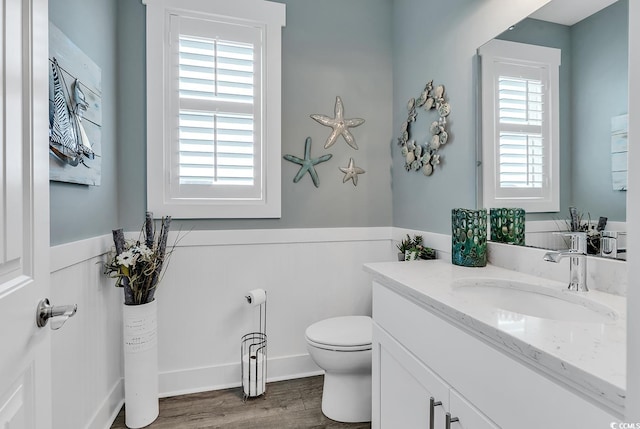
(425, 156)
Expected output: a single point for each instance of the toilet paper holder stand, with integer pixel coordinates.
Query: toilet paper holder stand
(253, 357)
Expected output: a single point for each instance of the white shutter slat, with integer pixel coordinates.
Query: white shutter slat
(216, 148)
(520, 100)
(216, 69)
(521, 160)
(520, 154)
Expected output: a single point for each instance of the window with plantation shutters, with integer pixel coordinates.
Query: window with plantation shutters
(218, 138)
(521, 149)
(219, 156)
(520, 130)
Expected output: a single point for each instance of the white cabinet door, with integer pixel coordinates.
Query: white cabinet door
(25, 363)
(402, 388)
(468, 416)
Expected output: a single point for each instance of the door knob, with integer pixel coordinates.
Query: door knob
(47, 311)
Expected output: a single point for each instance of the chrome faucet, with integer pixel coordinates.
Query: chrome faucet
(577, 263)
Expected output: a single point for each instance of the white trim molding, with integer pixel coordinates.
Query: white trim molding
(167, 193)
(540, 189)
(216, 377)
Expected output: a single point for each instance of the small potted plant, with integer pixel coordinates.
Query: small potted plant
(412, 249)
(421, 251)
(403, 247)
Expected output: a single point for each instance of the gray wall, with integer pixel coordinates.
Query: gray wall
(330, 48)
(600, 90)
(79, 211)
(325, 54)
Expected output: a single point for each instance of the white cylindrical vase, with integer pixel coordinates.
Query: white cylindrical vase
(140, 324)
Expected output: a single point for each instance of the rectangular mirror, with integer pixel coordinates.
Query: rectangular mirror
(592, 91)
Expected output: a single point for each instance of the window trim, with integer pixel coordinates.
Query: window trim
(524, 55)
(270, 18)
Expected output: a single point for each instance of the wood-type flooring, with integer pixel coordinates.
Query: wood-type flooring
(294, 404)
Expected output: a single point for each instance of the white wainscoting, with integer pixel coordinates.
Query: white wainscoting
(87, 352)
(309, 274)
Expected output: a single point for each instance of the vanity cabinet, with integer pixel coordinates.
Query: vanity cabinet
(407, 394)
(419, 354)
(405, 387)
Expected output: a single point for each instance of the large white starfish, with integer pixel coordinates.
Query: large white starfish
(351, 172)
(340, 125)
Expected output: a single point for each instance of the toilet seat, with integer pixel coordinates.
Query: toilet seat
(348, 334)
(334, 348)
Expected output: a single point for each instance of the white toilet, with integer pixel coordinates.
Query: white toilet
(342, 347)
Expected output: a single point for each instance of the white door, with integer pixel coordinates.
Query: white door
(25, 358)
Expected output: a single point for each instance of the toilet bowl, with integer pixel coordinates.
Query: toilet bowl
(342, 347)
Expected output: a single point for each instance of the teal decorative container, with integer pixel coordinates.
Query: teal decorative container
(507, 225)
(469, 237)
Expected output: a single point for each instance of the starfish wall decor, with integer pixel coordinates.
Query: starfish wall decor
(339, 124)
(351, 172)
(307, 164)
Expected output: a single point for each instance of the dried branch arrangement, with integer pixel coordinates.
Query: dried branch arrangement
(138, 264)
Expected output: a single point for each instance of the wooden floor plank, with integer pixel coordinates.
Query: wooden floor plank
(294, 404)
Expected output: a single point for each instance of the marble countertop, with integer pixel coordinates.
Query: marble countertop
(588, 356)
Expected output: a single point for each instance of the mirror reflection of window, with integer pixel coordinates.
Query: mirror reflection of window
(520, 108)
(520, 123)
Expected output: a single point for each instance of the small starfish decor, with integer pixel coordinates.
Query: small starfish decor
(351, 172)
(307, 164)
(339, 124)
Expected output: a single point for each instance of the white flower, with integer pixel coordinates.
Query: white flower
(126, 259)
(144, 251)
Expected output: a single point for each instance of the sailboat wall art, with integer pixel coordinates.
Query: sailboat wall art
(75, 113)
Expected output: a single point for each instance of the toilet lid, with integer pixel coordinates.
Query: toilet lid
(348, 331)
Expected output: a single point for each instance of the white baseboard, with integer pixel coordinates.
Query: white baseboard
(218, 377)
(109, 409)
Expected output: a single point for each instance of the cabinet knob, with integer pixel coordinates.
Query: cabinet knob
(432, 405)
(449, 420)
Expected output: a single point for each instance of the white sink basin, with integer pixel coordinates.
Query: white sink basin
(534, 300)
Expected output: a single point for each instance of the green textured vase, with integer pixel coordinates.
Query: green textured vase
(469, 237)
(507, 225)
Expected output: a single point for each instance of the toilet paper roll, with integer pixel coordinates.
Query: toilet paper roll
(253, 378)
(256, 297)
(253, 388)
